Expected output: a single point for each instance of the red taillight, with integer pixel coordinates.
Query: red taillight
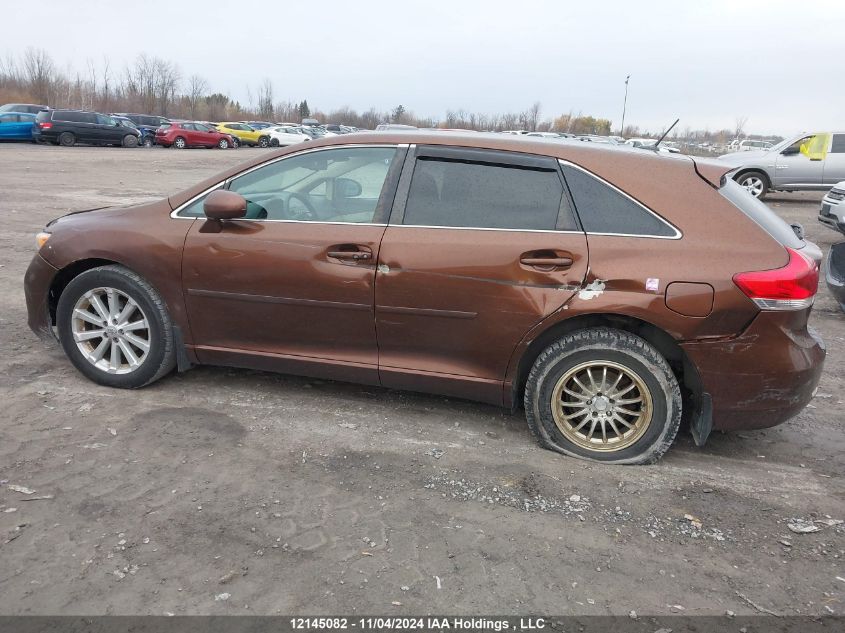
(45, 126)
(792, 287)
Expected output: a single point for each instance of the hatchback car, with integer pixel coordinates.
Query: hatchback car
(183, 134)
(609, 290)
(16, 126)
(69, 127)
(245, 134)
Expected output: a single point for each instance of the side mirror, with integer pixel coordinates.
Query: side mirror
(224, 205)
(790, 151)
(346, 188)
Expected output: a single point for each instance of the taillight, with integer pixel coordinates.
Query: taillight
(792, 287)
(45, 126)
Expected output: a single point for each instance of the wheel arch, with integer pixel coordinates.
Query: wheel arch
(682, 367)
(746, 170)
(66, 275)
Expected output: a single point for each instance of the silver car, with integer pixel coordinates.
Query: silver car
(807, 162)
(832, 213)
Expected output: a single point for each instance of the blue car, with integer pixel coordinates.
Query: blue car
(16, 126)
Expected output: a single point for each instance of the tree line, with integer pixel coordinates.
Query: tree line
(151, 85)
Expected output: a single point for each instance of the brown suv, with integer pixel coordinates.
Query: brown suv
(610, 290)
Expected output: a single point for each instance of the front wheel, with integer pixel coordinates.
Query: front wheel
(755, 183)
(236, 143)
(274, 142)
(114, 327)
(603, 394)
(148, 142)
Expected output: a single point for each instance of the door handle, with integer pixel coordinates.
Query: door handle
(547, 262)
(348, 252)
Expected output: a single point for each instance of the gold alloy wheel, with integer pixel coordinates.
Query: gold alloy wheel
(602, 406)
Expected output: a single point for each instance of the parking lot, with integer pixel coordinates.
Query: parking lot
(221, 491)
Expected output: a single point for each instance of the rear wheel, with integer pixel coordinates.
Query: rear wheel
(67, 139)
(179, 143)
(603, 394)
(115, 328)
(130, 141)
(223, 144)
(755, 183)
(263, 142)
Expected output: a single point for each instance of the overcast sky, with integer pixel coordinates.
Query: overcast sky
(778, 63)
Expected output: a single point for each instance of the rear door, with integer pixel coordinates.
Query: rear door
(834, 164)
(481, 246)
(8, 125)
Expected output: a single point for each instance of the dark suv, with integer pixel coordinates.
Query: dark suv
(147, 124)
(69, 127)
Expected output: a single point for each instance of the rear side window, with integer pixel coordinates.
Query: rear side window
(482, 195)
(767, 219)
(604, 209)
(838, 144)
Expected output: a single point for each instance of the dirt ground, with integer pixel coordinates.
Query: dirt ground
(221, 491)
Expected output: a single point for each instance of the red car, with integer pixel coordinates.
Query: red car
(191, 134)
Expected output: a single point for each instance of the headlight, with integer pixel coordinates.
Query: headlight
(41, 239)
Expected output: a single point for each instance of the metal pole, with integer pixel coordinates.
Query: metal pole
(624, 107)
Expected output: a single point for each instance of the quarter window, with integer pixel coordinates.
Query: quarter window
(603, 209)
(456, 193)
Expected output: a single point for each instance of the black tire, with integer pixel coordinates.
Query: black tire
(755, 182)
(161, 357)
(67, 139)
(180, 143)
(623, 349)
(223, 143)
(148, 141)
(263, 141)
(130, 140)
(274, 142)
(236, 142)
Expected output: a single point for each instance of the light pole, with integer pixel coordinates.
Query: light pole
(624, 107)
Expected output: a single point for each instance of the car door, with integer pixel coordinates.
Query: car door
(834, 163)
(290, 287)
(801, 164)
(202, 135)
(481, 246)
(8, 125)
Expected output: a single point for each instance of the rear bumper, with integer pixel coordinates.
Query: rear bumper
(37, 282)
(763, 377)
(832, 215)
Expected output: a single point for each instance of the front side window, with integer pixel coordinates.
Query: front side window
(604, 209)
(838, 144)
(333, 185)
(454, 193)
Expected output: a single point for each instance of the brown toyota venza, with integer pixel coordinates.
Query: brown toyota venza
(612, 291)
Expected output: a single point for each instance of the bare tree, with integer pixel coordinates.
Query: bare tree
(739, 128)
(197, 87)
(39, 71)
(265, 100)
(533, 116)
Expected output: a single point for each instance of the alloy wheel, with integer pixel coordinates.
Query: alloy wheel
(110, 330)
(754, 185)
(602, 406)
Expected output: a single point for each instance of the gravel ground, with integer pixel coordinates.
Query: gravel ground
(222, 491)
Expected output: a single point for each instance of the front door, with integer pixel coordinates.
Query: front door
(800, 165)
(290, 286)
(481, 248)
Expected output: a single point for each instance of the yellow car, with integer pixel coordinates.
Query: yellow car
(245, 134)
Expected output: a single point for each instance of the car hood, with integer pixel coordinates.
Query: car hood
(742, 158)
